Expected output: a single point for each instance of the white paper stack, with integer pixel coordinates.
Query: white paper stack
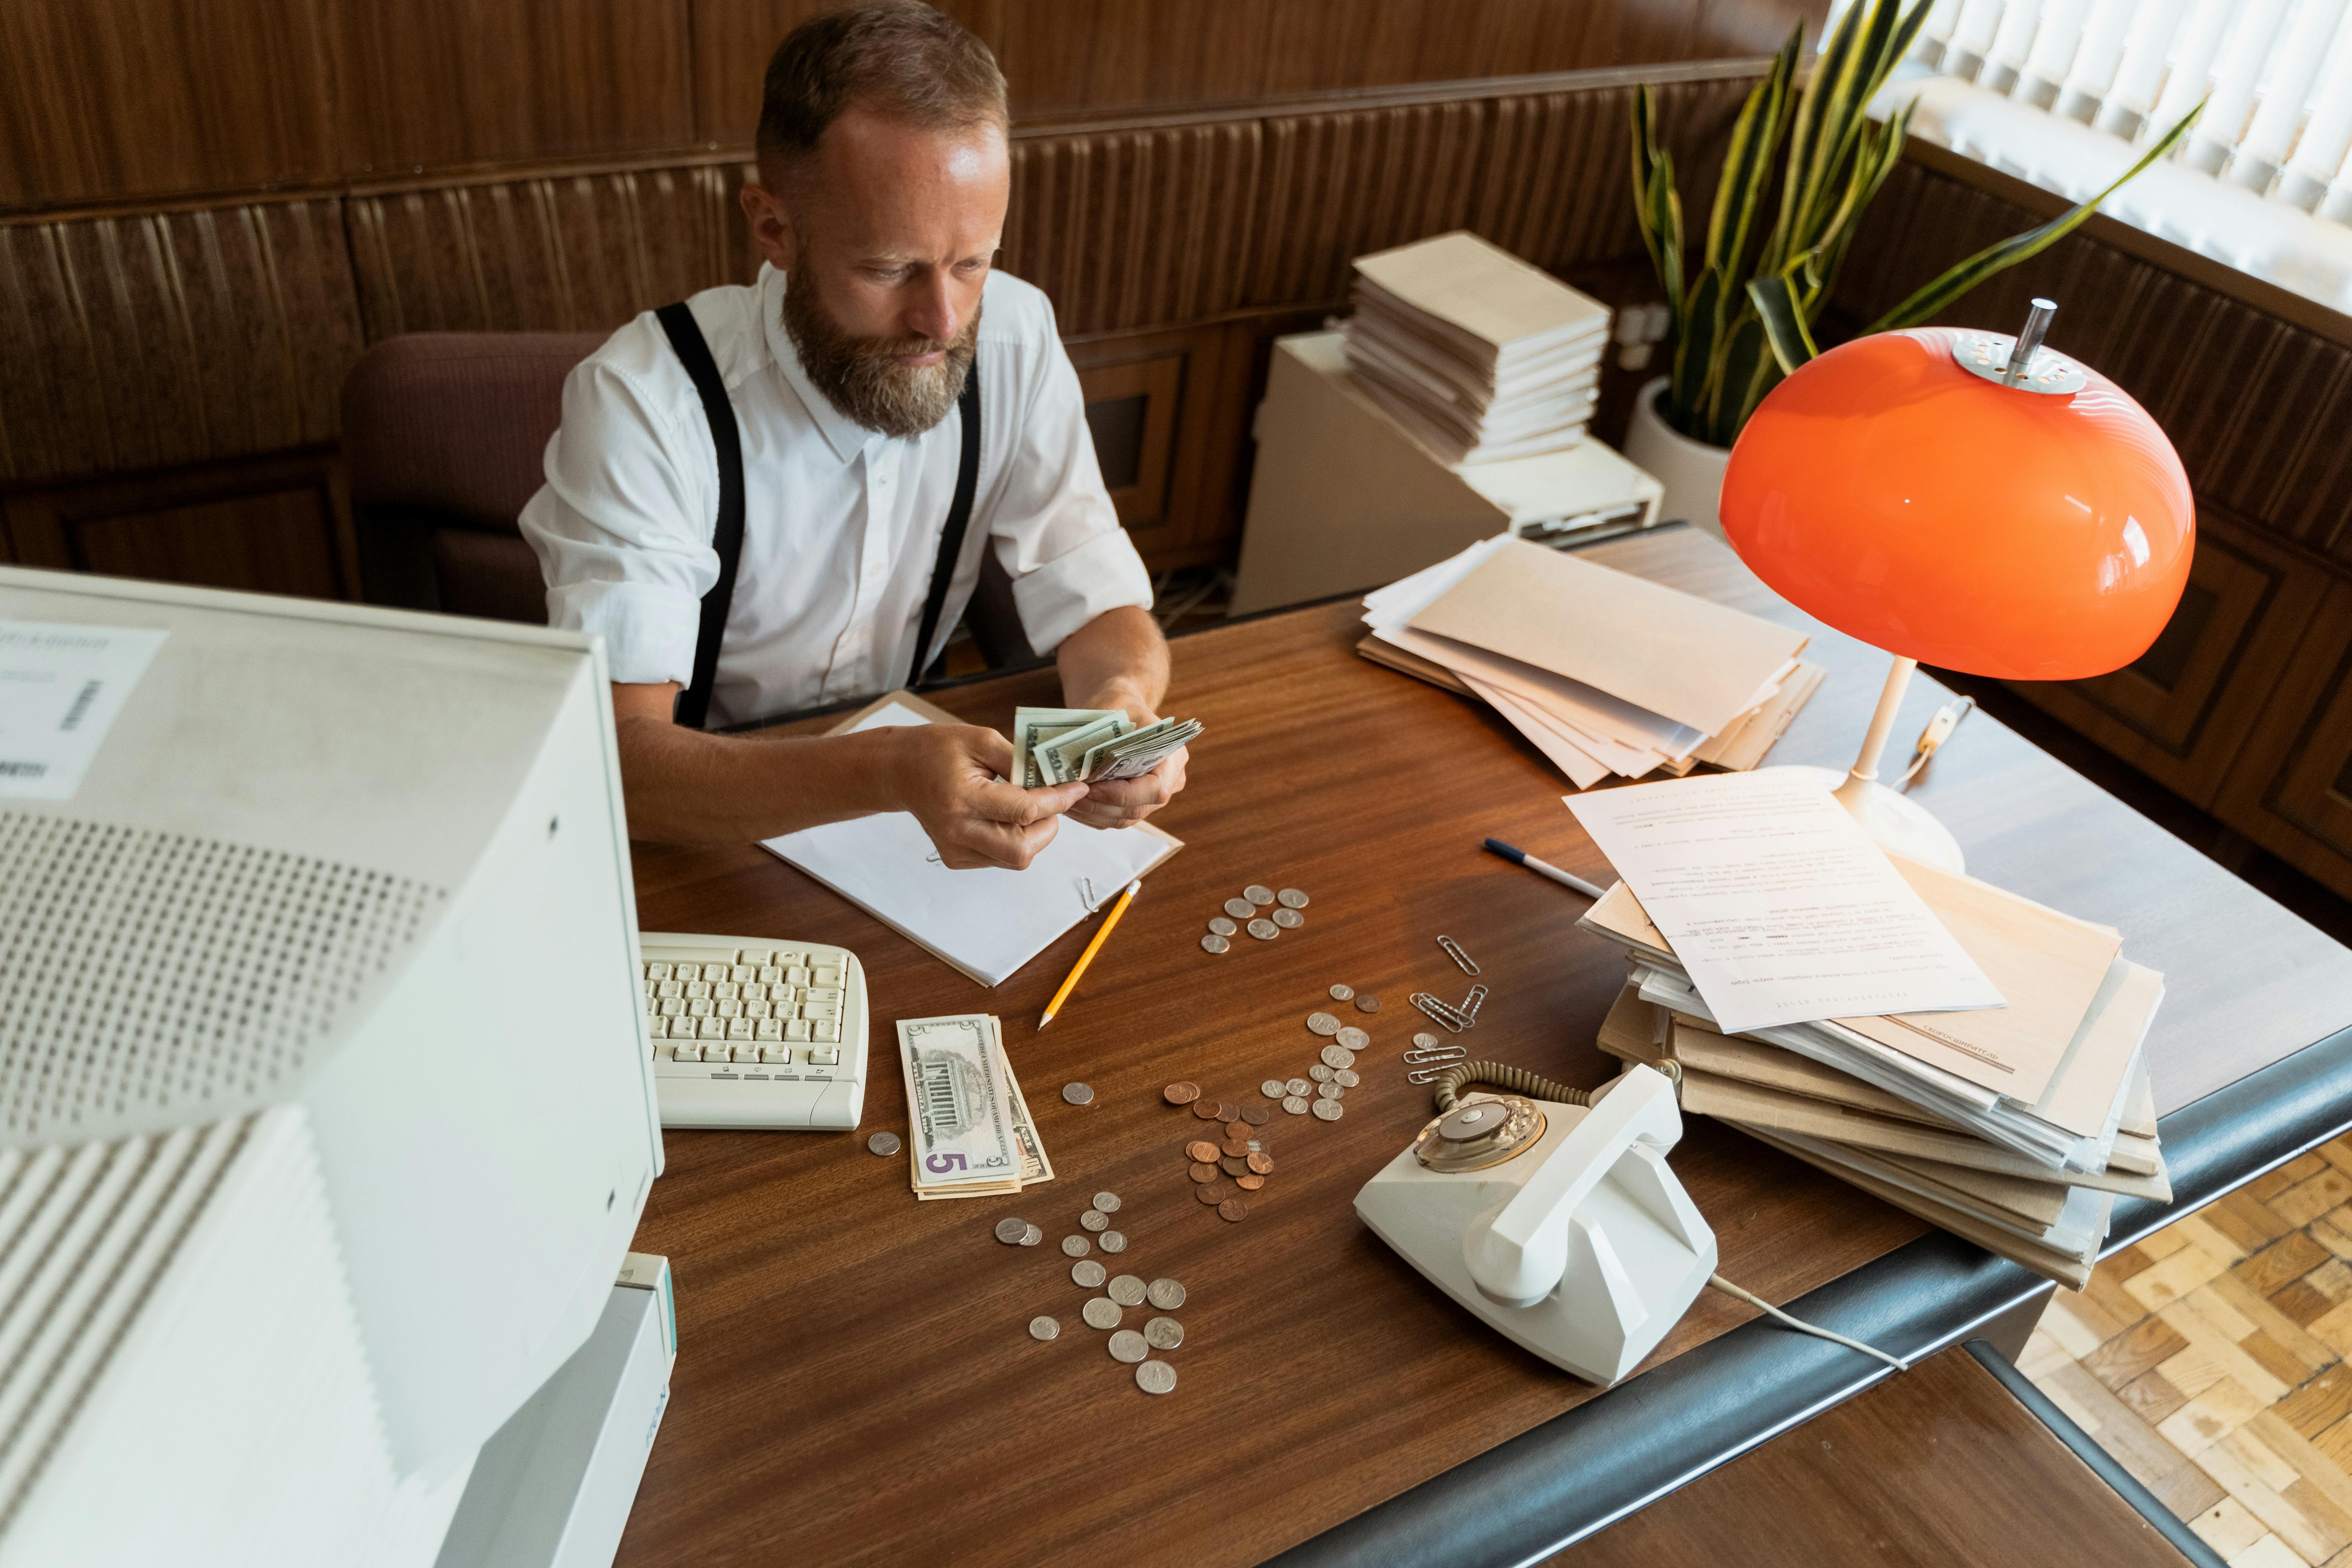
(1605, 673)
(1477, 353)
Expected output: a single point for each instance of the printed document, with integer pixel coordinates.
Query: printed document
(61, 686)
(1781, 909)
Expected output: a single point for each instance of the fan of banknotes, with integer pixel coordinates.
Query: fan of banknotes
(968, 1131)
(1066, 745)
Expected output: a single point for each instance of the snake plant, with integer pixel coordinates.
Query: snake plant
(1812, 155)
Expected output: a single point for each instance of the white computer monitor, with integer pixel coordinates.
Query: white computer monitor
(325, 1108)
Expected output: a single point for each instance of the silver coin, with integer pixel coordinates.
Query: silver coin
(1156, 1377)
(1086, 1274)
(1011, 1231)
(1327, 1111)
(1298, 1085)
(1424, 1039)
(1240, 909)
(1346, 1078)
(1111, 1241)
(1214, 943)
(1126, 1290)
(1101, 1313)
(1336, 1057)
(1045, 1328)
(1075, 1247)
(1031, 1236)
(1331, 1092)
(1295, 1104)
(1095, 1219)
(1323, 1024)
(1165, 1294)
(1271, 1089)
(883, 1143)
(1341, 993)
(1163, 1333)
(1264, 930)
(1290, 920)
(1126, 1345)
(1353, 1037)
(1292, 899)
(1258, 893)
(1367, 1003)
(1319, 1073)
(1223, 926)
(1078, 1093)
(1107, 1202)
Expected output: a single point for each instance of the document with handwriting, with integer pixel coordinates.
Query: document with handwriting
(1781, 908)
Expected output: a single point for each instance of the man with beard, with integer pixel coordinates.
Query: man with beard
(817, 421)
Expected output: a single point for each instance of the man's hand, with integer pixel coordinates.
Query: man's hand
(1123, 802)
(950, 777)
(1119, 660)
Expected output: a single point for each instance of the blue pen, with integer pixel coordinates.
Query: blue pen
(1541, 868)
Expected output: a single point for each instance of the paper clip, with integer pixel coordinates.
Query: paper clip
(1440, 1011)
(1453, 951)
(1420, 1055)
(1470, 1003)
(1426, 1075)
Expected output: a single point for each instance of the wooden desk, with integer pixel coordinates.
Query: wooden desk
(855, 1382)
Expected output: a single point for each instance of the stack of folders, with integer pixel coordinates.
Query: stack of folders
(1605, 673)
(1906, 1106)
(1478, 354)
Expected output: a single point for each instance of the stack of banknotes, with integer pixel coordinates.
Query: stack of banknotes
(1064, 745)
(969, 1134)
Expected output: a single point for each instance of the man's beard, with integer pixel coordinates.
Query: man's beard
(863, 377)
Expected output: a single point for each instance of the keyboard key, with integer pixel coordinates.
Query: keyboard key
(673, 1008)
(684, 972)
(768, 1029)
(681, 954)
(758, 957)
(796, 1030)
(813, 1011)
(697, 1009)
(828, 1031)
(822, 994)
(713, 1029)
(755, 993)
(668, 988)
(825, 1057)
(657, 972)
(757, 1010)
(686, 1053)
(657, 1027)
(828, 977)
(697, 990)
(728, 1009)
(770, 973)
(776, 1055)
(743, 972)
(727, 990)
(739, 1028)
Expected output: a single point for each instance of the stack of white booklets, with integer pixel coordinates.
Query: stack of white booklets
(1478, 354)
(2016, 1127)
(1605, 673)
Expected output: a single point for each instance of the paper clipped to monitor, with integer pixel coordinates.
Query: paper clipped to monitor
(986, 922)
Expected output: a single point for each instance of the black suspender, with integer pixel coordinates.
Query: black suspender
(686, 340)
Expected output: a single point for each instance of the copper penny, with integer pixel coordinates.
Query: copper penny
(1207, 1112)
(1237, 1128)
(1261, 1163)
(1228, 1111)
(1181, 1093)
(1234, 1146)
(1249, 1183)
(1214, 1192)
(1233, 1208)
(1233, 1165)
(1204, 1171)
(1257, 1115)
(1201, 1149)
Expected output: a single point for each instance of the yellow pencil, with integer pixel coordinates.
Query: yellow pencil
(1089, 956)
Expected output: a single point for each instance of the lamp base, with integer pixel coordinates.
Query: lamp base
(1894, 819)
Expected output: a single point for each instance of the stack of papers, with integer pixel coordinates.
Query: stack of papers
(1478, 354)
(1605, 673)
(2013, 1125)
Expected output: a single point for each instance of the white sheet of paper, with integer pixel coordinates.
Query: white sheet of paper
(61, 687)
(987, 922)
(1781, 908)
(1583, 770)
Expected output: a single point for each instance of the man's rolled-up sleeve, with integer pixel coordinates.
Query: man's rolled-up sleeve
(1054, 530)
(622, 525)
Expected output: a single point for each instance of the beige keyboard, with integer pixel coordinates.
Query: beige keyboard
(754, 1033)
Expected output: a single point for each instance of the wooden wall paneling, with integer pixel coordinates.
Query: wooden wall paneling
(2180, 713)
(1341, 183)
(2291, 790)
(442, 84)
(732, 40)
(122, 100)
(177, 338)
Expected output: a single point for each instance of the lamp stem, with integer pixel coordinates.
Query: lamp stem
(1852, 793)
(2029, 341)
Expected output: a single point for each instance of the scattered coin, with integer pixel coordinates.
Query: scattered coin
(1086, 1274)
(1215, 944)
(1424, 1039)
(1126, 1290)
(1204, 1170)
(1257, 1115)
(1049, 1329)
(1095, 1219)
(1228, 1111)
(1233, 1165)
(1290, 920)
(1367, 1003)
(1237, 1128)
(1346, 1077)
(1078, 1093)
(1336, 1056)
(1260, 1164)
(1323, 1024)
(1319, 1073)
(1258, 893)
(1264, 930)
(1011, 1231)
(1327, 1109)
(1126, 1345)
(1111, 1241)
(1163, 1333)
(1075, 1247)
(1156, 1377)
(1101, 1313)
(1213, 1192)
(1206, 1110)
(1240, 909)
(1341, 993)
(1107, 1202)
(1249, 1183)
(1181, 1093)
(1292, 899)
(1165, 1294)
(1222, 926)
(1201, 1149)
(1233, 1208)
(1353, 1037)
(1233, 1146)
(1271, 1089)
(883, 1143)
(1031, 1236)
(1298, 1085)
(1328, 1091)
(1295, 1104)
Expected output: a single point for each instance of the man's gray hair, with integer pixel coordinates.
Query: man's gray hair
(899, 58)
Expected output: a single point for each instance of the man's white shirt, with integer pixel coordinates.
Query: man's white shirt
(841, 526)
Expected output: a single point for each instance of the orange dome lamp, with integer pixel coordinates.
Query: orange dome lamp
(1967, 500)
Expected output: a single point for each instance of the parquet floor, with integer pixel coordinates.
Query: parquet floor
(2210, 1360)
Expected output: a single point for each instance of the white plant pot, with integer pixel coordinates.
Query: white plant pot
(1691, 471)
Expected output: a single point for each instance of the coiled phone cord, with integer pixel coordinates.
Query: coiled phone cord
(1448, 1087)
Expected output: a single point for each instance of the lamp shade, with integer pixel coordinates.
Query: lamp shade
(1918, 506)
